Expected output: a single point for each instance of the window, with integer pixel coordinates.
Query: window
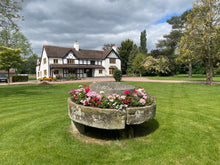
(92, 63)
(100, 71)
(45, 60)
(45, 72)
(70, 61)
(55, 61)
(112, 61)
(56, 71)
(111, 71)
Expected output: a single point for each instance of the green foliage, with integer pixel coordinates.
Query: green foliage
(107, 46)
(124, 51)
(131, 58)
(201, 37)
(160, 66)
(9, 58)
(138, 62)
(9, 12)
(17, 78)
(117, 75)
(143, 42)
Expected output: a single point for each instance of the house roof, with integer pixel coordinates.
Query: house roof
(60, 52)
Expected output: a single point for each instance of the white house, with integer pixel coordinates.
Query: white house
(67, 61)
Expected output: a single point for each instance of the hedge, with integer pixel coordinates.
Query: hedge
(19, 78)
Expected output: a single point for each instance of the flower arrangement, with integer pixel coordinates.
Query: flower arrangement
(84, 96)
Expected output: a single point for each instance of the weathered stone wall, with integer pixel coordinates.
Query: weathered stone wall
(109, 118)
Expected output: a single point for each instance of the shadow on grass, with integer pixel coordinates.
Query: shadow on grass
(140, 130)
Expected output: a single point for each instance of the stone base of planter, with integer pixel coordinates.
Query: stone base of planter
(109, 118)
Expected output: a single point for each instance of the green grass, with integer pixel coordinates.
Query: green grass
(184, 77)
(34, 128)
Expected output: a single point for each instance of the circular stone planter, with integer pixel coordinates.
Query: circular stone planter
(109, 118)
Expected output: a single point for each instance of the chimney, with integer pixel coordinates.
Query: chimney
(114, 47)
(76, 45)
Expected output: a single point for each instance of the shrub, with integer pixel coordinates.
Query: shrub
(19, 78)
(117, 75)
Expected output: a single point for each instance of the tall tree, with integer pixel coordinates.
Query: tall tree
(9, 58)
(143, 42)
(202, 33)
(137, 64)
(131, 58)
(9, 12)
(15, 40)
(124, 51)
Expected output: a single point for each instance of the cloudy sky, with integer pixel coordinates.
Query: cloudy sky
(96, 22)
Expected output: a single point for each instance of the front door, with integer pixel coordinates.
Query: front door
(89, 72)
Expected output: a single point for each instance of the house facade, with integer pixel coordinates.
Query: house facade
(72, 61)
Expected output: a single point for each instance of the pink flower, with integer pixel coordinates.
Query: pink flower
(142, 101)
(84, 85)
(85, 102)
(135, 91)
(127, 92)
(87, 90)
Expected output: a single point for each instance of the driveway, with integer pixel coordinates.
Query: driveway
(137, 79)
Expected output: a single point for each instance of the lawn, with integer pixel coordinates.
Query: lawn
(184, 77)
(34, 128)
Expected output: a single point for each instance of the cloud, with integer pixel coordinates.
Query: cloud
(94, 23)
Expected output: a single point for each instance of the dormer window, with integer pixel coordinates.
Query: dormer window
(55, 61)
(112, 61)
(70, 61)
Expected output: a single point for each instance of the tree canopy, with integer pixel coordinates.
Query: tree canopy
(9, 58)
(201, 37)
(124, 52)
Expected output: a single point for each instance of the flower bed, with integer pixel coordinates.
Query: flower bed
(86, 97)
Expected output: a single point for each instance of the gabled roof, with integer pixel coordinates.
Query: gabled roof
(61, 52)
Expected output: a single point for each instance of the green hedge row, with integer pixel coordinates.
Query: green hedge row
(19, 78)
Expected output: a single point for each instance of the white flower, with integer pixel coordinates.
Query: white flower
(102, 92)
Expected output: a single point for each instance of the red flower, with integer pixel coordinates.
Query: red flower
(127, 92)
(84, 85)
(135, 91)
(99, 102)
(87, 90)
(140, 87)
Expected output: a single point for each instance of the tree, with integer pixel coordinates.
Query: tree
(9, 12)
(131, 58)
(159, 66)
(143, 42)
(16, 40)
(124, 51)
(202, 33)
(9, 58)
(137, 64)
(107, 46)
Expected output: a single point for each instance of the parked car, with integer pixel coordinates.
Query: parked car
(3, 77)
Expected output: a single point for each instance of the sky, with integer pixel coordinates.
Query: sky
(94, 23)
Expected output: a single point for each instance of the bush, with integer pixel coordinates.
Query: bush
(19, 78)
(117, 75)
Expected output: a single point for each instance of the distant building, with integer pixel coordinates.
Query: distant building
(67, 61)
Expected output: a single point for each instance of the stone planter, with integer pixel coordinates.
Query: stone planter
(109, 118)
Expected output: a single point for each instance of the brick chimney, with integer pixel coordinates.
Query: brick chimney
(76, 45)
(114, 47)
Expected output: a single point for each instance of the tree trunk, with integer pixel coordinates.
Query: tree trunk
(209, 72)
(190, 70)
(8, 76)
